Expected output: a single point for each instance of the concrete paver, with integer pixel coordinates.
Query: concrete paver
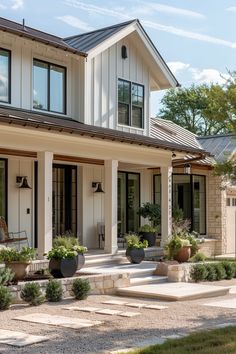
(19, 339)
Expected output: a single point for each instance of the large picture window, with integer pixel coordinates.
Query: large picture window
(130, 103)
(49, 87)
(3, 188)
(188, 194)
(5, 75)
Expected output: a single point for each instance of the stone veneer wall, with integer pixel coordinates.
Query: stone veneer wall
(100, 284)
(216, 213)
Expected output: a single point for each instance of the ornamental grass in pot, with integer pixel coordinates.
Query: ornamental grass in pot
(135, 248)
(17, 260)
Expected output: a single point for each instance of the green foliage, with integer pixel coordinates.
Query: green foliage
(6, 276)
(198, 257)
(152, 212)
(200, 109)
(147, 228)
(133, 241)
(61, 252)
(5, 298)
(54, 291)
(81, 288)
(229, 269)
(177, 214)
(70, 243)
(26, 254)
(198, 272)
(220, 271)
(32, 294)
(211, 272)
(175, 244)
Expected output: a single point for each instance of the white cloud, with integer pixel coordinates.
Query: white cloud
(17, 4)
(173, 10)
(232, 9)
(93, 9)
(76, 22)
(197, 75)
(208, 76)
(176, 66)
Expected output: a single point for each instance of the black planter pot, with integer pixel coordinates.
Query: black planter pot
(63, 268)
(80, 261)
(135, 255)
(150, 237)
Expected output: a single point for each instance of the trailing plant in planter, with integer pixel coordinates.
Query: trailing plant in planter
(5, 298)
(32, 294)
(178, 249)
(17, 260)
(81, 288)
(151, 212)
(135, 248)
(54, 291)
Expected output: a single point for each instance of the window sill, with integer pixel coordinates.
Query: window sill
(130, 127)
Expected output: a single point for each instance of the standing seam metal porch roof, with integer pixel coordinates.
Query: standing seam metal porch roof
(26, 118)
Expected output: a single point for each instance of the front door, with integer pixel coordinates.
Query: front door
(64, 200)
(128, 202)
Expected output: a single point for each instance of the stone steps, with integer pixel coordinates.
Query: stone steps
(148, 279)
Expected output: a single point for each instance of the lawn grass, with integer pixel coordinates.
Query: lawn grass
(218, 341)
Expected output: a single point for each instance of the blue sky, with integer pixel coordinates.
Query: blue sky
(196, 38)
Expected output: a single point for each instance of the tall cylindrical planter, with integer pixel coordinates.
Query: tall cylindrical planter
(150, 237)
(135, 255)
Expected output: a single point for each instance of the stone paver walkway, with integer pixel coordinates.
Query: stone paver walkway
(19, 339)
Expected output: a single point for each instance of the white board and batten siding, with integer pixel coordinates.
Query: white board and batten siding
(102, 74)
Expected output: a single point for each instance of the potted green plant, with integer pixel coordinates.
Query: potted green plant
(135, 248)
(72, 243)
(17, 260)
(178, 248)
(152, 212)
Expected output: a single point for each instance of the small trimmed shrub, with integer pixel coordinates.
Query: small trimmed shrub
(198, 272)
(54, 291)
(211, 272)
(198, 257)
(5, 298)
(32, 294)
(220, 271)
(6, 276)
(229, 269)
(81, 288)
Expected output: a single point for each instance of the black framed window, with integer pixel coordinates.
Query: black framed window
(130, 103)
(5, 75)
(188, 194)
(3, 188)
(49, 87)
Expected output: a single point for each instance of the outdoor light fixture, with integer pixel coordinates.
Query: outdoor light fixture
(124, 54)
(98, 186)
(173, 154)
(187, 169)
(22, 182)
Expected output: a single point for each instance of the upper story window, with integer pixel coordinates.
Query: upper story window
(130, 103)
(5, 75)
(49, 87)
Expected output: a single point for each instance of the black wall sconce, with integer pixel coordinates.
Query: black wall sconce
(124, 54)
(98, 186)
(187, 169)
(22, 182)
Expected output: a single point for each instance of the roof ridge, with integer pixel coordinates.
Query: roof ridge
(101, 29)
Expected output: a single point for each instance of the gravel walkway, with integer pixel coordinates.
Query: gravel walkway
(116, 332)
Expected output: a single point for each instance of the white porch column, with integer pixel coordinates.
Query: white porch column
(166, 203)
(111, 245)
(44, 202)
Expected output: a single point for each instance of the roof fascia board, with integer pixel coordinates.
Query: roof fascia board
(111, 40)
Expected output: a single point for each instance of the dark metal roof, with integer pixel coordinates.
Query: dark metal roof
(53, 123)
(31, 33)
(221, 146)
(86, 41)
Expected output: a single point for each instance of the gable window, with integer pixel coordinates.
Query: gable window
(5, 75)
(130, 103)
(49, 87)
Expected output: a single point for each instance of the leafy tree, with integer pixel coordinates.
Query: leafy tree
(202, 109)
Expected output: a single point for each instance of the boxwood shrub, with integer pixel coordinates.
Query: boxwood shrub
(229, 269)
(198, 272)
(213, 271)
